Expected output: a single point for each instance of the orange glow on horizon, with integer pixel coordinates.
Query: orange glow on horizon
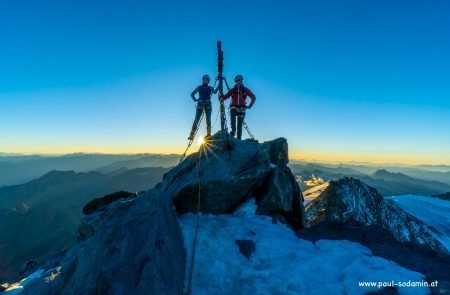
(307, 156)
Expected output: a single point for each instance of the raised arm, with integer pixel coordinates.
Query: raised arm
(228, 94)
(194, 93)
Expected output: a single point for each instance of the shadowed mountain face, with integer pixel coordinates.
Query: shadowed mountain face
(20, 169)
(387, 183)
(445, 196)
(41, 216)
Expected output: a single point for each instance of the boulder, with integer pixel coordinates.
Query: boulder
(279, 195)
(228, 170)
(99, 203)
(246, 247)
(278, 151)
(134, 246)
(349, 200)
(231, 170)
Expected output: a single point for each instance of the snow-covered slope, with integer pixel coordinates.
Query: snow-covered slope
(432, 211)
(282, 263)
(18, 287)
(313, 192)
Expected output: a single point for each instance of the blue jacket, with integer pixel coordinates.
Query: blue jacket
(204, 91)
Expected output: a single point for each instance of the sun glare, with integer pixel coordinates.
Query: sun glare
(201, 140)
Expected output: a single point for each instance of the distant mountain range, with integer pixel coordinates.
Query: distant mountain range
(17, 169)
(41, 216)
(387, 183)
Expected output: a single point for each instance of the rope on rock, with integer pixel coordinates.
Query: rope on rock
(194, 243)
(192, 140)
(248, 129)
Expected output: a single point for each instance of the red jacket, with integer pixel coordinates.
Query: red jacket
(238, 97)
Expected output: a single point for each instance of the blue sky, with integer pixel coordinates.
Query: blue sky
(341, 80)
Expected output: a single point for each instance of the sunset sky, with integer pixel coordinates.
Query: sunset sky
(341, 80)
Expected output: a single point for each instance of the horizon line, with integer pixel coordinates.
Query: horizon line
(291, 158)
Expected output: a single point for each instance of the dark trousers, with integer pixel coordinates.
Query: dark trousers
(237, 114)
(198, 113)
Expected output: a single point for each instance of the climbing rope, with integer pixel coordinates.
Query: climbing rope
(215, 120)
(192, 140)
(194, 242)
(244, 124)
(248, 129)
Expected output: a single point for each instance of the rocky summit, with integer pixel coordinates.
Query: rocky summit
(132, 243)
(349, 199)
(230, 171)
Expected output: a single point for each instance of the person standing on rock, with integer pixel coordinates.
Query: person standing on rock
(238, 105)
(203, 105)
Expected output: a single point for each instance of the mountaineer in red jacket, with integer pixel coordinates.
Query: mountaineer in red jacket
(238, 105)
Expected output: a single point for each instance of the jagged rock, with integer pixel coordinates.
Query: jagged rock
(136, 247)
(29, 266)
(246, 247)
(229, 171)
(280, 195)
(279, 152)
(89, 225)
(3, 287)
(99, 203)
(349, 199)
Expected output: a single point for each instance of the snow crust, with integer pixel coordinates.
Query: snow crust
(433, 212)
(282, 263)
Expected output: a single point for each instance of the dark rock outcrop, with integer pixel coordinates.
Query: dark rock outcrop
(29, 266)
(281, 196)
(99, 203)
(3, 287)
(134, 246)
(348, 200)
(278, 151)
(246, 247)
(231, 170)
(445, 196)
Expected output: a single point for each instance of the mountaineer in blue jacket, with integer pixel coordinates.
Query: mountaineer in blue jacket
(203, 105)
